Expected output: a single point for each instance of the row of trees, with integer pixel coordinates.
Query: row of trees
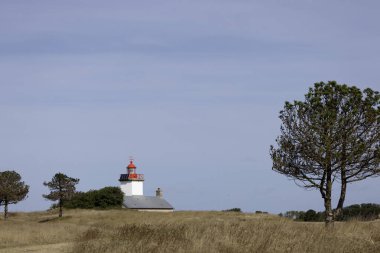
(365, 212)
(332, 137)
(62, 189)
(13, 190)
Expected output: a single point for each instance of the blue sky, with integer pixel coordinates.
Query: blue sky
(191, 89)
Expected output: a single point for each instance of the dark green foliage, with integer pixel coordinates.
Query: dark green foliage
(235, 209)
(310, 215)
(108, 197)
(81, 200)
(365, 212)
(62, 188)
(360, 212)
(12, 189)
(333, 136)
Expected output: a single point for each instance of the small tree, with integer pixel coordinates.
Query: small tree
(332, 136)
(12, 189)
(61, 188)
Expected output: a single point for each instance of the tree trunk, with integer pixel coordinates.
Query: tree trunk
(5, 210)
(60, 208)
(343, 189)
(329, 215)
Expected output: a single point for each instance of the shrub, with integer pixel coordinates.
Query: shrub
(107, 197)
(235, 209)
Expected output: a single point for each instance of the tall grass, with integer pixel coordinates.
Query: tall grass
(129, 231)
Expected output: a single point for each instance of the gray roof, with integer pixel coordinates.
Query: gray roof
(146, 202)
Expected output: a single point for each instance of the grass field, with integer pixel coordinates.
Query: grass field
(130, 231)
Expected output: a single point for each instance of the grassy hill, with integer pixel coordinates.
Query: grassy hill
(130, 231)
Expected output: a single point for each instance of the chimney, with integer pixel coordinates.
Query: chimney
(159, 192)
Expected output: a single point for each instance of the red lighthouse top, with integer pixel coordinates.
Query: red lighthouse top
(131, 165)
(131, 174)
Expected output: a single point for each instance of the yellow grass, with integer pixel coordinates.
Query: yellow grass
(129, 231)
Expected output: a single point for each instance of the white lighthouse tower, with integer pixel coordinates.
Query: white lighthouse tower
(131, 184)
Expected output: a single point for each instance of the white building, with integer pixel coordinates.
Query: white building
(132, 185)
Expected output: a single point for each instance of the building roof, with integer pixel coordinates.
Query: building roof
(146, 202)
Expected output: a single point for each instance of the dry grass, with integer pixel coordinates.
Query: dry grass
(129, 231)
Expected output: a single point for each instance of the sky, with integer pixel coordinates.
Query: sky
(191, 89)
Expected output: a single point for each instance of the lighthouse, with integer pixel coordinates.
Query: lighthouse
(132, 185)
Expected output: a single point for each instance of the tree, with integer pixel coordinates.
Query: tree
(332, 136)
(61, 188)
(12, 189)
(310, 215)
(367, 211)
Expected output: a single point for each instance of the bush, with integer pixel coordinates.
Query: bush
(235, 209)
(108, 197)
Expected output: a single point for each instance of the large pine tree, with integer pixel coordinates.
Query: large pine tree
(333, 136)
